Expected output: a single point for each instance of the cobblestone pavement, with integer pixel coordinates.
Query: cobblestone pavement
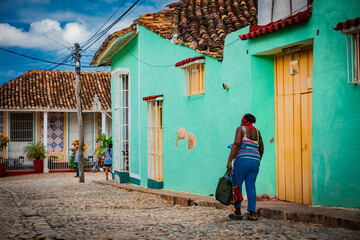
(57, 206)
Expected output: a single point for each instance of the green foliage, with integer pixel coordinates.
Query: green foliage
(72, 162)
(35, 151)
(103, 144)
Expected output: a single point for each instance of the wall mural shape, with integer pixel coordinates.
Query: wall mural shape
(2, 126)
(55, 131)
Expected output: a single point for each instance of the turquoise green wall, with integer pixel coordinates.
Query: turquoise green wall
(335, 157)
(248, 67)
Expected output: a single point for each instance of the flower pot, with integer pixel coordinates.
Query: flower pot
(39, 166)
(2, 169)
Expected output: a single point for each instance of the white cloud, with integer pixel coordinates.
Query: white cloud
(35, 39)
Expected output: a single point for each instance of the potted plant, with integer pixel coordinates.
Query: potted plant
(3, 144)
(37, 153)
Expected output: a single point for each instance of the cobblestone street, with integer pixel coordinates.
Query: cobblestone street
(57, 206)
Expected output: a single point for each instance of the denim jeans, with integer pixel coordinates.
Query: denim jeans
(77, 168)
(247, 169)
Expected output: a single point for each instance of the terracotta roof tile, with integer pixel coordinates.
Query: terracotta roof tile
(199, 24)
(257, 31)
(53, 89)
(347, 24)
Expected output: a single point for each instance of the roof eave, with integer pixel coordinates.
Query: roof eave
(115, 45)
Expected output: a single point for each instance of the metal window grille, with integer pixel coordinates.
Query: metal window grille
(353, 57)
(193, 80)
(117, 142)
(155, 140)
(125, 122)
(21, 127)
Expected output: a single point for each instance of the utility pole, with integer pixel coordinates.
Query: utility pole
(79, 113)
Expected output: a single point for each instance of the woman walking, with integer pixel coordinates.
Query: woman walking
(247, 150)
(108, 160)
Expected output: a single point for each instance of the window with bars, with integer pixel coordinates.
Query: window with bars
(193, 79)
(125, 122)
(22, 127)
(353, 57)
(155, 140)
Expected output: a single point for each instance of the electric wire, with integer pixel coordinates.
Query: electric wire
(109, 27)
(95, 34)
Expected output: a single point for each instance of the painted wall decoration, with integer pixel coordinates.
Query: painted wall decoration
(55, 131)
(2, 125)
(99, 124)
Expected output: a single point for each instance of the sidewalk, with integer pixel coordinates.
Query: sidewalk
(267, 207)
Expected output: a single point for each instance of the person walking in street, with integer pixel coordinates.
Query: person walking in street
(108, 160)
(76, 161)
(247, 150)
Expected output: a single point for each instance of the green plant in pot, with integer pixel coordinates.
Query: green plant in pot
(37, 153)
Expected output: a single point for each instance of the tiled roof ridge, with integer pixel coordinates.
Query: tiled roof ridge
(202, 24)
(54, 89)
(199, 24)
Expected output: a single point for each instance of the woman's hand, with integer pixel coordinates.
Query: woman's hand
(229, 165)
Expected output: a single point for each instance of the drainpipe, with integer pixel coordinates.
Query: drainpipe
(46, 168)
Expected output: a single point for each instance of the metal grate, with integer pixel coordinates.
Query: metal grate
(125, 122)
(353, 57)
(21, 127)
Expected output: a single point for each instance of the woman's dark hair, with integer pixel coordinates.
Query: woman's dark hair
(250, 118)
(110, 145)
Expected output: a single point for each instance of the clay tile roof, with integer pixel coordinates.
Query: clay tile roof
(347, 24)
(257, 31)
(108, 41)
(189, 60)
(53, 89)
(201, 24)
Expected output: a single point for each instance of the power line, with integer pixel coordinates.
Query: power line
(38, 59)
(86, 42)
(149, 64)
(110, 26)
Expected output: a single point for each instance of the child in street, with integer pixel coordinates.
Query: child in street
(108, 160)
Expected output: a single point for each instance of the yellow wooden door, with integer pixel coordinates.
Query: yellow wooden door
(293, 121)
(155, 141)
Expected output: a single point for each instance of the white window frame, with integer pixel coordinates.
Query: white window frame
(353, 55)
(119, 121)
(189, 69)
(155, 153)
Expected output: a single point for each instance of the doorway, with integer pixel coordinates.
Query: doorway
(293, 123)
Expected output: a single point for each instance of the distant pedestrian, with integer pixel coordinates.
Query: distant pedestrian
(108, 160)
(76, 161)
(247, 150)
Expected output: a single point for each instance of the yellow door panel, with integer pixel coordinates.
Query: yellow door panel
(293, 108)
(281, 147)
(289, 148)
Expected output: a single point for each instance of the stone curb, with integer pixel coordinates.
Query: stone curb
(317, 218)
(276, 212)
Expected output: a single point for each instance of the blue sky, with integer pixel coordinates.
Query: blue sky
(46, 30)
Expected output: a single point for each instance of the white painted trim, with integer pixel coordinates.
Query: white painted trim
(103, 123)
(133, 175)
(46, 168)
(139, 98)
(199, 61)
(118, 71)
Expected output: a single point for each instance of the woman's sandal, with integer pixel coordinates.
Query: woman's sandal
(235, 216)
(252, 218)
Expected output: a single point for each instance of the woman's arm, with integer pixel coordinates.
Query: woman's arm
(261, 147)
(235, 147)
